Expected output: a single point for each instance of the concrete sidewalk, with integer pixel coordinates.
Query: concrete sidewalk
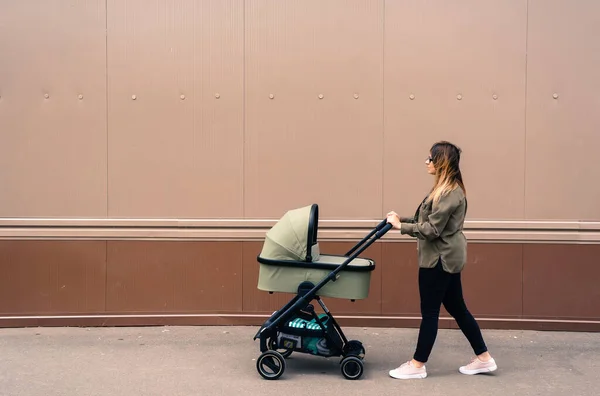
(173, 361)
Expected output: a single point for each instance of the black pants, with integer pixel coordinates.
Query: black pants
(437, 287)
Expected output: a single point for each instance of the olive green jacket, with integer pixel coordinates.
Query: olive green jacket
(439, 231)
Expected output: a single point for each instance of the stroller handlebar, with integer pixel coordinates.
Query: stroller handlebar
(381, 225)
(384, 229)
(380, 230)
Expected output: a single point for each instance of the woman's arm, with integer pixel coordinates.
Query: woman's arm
(402, 219)
(438, 218)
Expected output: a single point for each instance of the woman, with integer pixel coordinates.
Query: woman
(442, 251)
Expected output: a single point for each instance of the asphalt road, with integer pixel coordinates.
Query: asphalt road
(173, 361)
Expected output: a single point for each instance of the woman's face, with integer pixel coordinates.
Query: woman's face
(430, 167)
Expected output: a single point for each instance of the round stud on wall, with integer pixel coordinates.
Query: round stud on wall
(555, 96)
(217, 96)
(46, 96)
(494, 96)
(459, 97)
(411, 97)
(271, 96)
(355, 96)
(182, 97)
(133, 97)
(80, 96)
(321, 96)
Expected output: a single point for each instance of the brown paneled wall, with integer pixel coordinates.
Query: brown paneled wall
(246, 108)
(184, 282)
(145, 149)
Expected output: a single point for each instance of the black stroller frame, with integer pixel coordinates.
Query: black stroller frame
(277, 338)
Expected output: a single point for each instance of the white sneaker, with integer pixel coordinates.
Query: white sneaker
(408, 371)
(478, 366)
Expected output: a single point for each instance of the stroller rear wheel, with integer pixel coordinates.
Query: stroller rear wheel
(352, 367)
(270, 365)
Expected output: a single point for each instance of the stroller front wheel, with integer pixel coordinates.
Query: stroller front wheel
(270, 365)
(352, 367)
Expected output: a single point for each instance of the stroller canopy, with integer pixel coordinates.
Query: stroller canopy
(294, 236)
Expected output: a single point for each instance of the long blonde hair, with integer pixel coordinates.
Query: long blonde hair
(446, 160)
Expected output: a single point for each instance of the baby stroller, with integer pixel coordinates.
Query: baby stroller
(290, 262)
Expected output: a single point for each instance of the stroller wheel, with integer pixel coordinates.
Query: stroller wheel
(352, 367)
(283, 351)
(270, 365)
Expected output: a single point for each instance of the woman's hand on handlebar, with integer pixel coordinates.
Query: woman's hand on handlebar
(393, 219)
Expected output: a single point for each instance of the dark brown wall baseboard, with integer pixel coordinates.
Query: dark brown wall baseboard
(95, 283)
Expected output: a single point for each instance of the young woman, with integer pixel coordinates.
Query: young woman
(442, 252)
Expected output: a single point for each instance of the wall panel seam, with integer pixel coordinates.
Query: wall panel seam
(107, 104)
(242, 272)
(383, 130)
(522, 281)
(525, 111)
(105, 274)
(244, 100)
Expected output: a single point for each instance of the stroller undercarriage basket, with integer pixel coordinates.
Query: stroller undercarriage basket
(290, 262)
(309, 336)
